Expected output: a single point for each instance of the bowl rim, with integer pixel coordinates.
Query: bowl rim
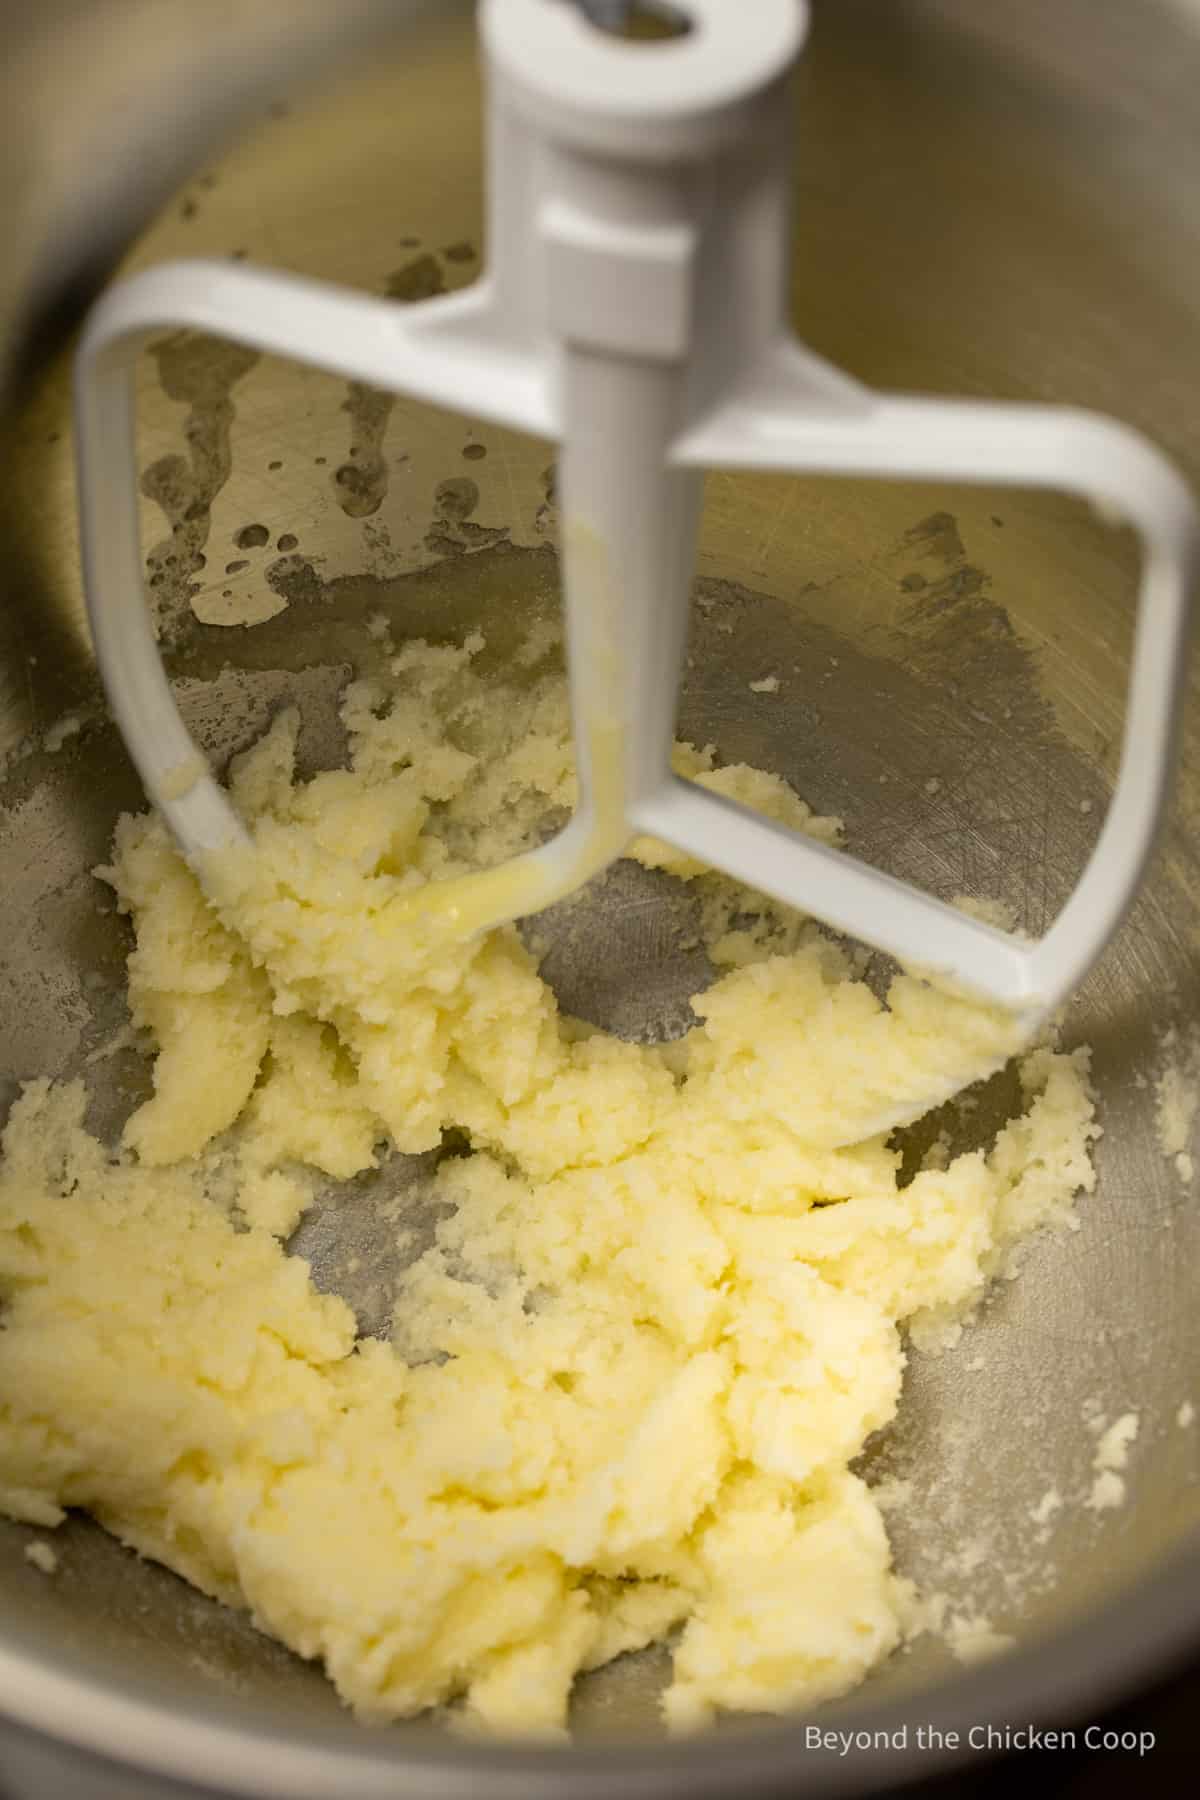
(1062, 1680)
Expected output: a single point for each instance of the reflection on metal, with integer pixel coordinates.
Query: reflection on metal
(642, 21)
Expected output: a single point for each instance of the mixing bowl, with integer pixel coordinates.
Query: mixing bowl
(995, 203)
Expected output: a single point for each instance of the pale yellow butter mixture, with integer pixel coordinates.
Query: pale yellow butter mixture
(662, 1313)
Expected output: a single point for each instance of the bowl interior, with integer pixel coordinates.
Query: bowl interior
(952, 666)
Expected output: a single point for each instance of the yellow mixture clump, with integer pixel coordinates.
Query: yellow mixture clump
(661, 1315)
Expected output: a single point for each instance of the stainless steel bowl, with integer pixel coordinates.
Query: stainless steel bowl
(990, 201)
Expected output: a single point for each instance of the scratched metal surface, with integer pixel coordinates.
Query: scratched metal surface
(949, 666)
